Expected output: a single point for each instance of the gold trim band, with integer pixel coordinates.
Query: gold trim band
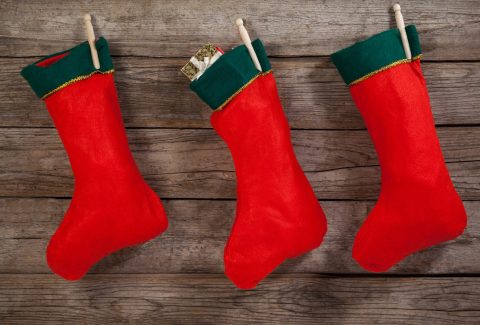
(219, 108)
(391, 65)
(75, 80)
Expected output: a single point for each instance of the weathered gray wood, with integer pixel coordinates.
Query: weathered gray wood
(186, 299)
(448, 30)
(198, 232)
(197, 164)
(149, 41)
(153, 93)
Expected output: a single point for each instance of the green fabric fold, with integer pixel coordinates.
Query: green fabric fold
(374, 54)
(229, 74)
(75, 65)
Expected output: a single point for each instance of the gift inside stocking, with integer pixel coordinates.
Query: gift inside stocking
(418, 206)
(278, 215)
(112, 207)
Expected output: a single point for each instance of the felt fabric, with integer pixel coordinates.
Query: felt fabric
(374, 54)
(418, 206)
(278, 215)
(230, 73)
(58, 70)
(112, 207)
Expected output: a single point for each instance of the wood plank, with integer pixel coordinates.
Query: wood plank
(195, 163)
(153, 93)
(448, 30)
(186, 299)
(199, 230)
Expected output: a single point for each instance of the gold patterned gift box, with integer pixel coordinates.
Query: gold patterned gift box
(202, 60)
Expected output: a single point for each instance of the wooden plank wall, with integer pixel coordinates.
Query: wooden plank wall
(177, 278)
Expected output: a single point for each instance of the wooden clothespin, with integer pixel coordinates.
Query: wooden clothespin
(401, 28)
(248, 43)
(91, 40)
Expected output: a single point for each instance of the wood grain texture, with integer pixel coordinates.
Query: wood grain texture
(196, 163)
(154, 93)
(176, 278)
(199, 230)
(448, 31)
(176, 299)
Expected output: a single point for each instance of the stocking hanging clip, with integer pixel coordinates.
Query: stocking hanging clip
(248, 43)
(91, 40)
(401, 28)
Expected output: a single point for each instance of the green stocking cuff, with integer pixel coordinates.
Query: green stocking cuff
(231, 73)
(54, 72)
(375, 54)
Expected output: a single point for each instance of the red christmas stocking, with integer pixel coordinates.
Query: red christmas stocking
(112, 206)
(418, 206)
(278, 215)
